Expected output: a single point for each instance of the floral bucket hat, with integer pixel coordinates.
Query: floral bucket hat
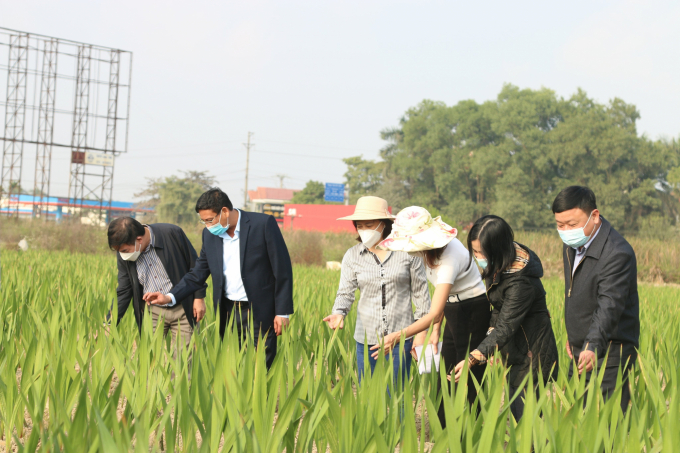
(415, 230)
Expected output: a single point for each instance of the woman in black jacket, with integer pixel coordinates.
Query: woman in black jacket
(520, 320)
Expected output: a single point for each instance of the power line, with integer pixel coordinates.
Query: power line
(318, 146)
(298, 155)
(186, 146)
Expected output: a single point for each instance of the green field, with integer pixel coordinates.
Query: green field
(68, 385)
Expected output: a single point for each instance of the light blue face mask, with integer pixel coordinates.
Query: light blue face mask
(575, 238)
(218, 229)
(481, 262)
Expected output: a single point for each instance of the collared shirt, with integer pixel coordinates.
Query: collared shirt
(231, 264)
(151, 272)
(386, 288)
(581, 251)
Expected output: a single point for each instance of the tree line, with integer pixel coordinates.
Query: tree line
(512, 155)
(509, 156)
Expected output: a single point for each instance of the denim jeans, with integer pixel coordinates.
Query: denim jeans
(396, 358)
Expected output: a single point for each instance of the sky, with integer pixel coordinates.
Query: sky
(316, 81)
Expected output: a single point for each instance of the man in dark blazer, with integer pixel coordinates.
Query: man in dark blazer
(154, 258)
(601, 307)
(250, 266)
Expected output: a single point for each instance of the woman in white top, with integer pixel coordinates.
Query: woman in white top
(459, 293)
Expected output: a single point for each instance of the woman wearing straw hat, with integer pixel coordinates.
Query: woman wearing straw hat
(459, 290)
(387, 282)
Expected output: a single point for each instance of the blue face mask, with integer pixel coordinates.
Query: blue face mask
(218, 229)
(575, 238)
(481, 262)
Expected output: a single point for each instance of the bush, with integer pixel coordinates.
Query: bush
(314, 248)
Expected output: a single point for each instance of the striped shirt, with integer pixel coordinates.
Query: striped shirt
(150, 271)
(386, 290)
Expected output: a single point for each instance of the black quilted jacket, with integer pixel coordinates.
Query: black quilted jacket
(521, 321)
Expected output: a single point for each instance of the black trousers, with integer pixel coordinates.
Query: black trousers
(517, 406)
(241, 312)
(466, 325)
(617, 356)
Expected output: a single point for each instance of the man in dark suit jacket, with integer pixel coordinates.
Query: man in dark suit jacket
(154, 258)
(601, 307)
(250, 267)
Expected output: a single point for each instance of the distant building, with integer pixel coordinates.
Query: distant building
(270, 200)
(318, 217)
(59, 208)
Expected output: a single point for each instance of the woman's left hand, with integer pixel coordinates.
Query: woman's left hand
(390, 342)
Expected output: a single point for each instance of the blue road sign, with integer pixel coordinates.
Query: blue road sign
(334, 192)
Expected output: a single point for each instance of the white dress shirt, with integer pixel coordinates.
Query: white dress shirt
(581, 251)
(231, 264)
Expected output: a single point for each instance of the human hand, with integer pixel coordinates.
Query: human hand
(156, 299)
(335, 321)
(418, 340)
(458, 371)
(434, 338)
(280, 323)
(199, 309)
(389, 341)
(586, 361)
(571, 356)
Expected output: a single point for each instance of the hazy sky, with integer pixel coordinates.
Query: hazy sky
(317, 81)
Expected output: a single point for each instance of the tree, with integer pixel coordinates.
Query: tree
(313, 193)
(174, 198)
(512, 155)
(364, 177)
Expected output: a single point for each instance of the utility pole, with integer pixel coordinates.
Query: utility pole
(281, 178)
(245, 192)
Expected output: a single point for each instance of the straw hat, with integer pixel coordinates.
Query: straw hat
(414, 230)
(370, 208)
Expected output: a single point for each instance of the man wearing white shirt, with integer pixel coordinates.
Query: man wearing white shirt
(248, 259)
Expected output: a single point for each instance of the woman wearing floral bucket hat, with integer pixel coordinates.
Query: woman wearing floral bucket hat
(459, 290)
(387, 281)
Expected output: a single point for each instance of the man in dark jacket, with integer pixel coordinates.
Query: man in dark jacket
(250, 267)
(154, 258)
(601, 307)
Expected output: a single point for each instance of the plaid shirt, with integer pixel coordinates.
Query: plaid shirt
(386, 292)
(521, 260)
(150, 271)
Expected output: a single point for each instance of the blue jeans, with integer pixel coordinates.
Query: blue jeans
(396, 358)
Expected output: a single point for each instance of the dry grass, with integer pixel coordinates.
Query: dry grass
(71, 236)
(658, 259)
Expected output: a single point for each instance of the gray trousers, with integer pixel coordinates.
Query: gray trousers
(173, 320)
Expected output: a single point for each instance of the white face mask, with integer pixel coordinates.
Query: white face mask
(371, 237)
(134, 255)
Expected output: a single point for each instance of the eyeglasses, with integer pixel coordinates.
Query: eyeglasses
(207, 222)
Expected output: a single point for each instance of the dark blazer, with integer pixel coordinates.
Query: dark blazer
(266, 270)
(178, 257)
(601, 301)
(521, 321)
